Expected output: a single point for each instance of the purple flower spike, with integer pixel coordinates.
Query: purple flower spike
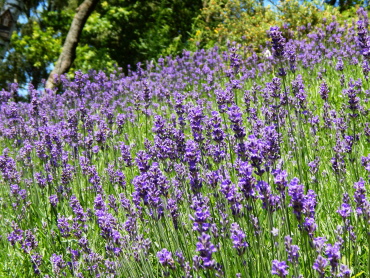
(165, 258)
(319, 243)
(297, 197)
(359, 195)
(246, 180)
(196, 117)
(333, 254)
(142, 161)
(192, 155)
(235, 116)
(344, 211)
(53, 200)
(319, 265)
(365, 160)
(218, 134)
(238, 237)
(344, 271)
(279, 268)
(310, 226)
(292, 250)
(205, 249)
(280, 179)
(278, 42)
(363, 39)
(201, 215)
(36, 260)
(57, 263)
(16, 235)
(324, 91)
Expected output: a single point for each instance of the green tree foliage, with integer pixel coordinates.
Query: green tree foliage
(132, 31)
(344, 5)
(122, 32)
(234, 20)
(246, 21)
(35, 45)
(32, 51)
(119, 32)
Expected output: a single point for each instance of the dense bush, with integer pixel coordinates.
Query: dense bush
(246, 21)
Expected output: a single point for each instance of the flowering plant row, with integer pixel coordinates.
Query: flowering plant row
(210, 164)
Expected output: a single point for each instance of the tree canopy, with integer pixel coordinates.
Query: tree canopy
(119, 33)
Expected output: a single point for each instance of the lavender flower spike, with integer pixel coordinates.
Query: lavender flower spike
(279, 268)
(165, 258)
(278, 42)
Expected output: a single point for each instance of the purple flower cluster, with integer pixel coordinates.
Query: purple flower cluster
(205, 249)
(238, 238)
(280, 268)
(278, 41)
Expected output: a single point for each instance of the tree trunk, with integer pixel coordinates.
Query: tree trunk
(68, 54)
(15, 8)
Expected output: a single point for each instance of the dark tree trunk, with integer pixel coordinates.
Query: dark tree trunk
(68, 54)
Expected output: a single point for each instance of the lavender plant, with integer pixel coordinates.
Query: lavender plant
(208, 164)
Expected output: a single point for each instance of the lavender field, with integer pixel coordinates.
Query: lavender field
(211, 164)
